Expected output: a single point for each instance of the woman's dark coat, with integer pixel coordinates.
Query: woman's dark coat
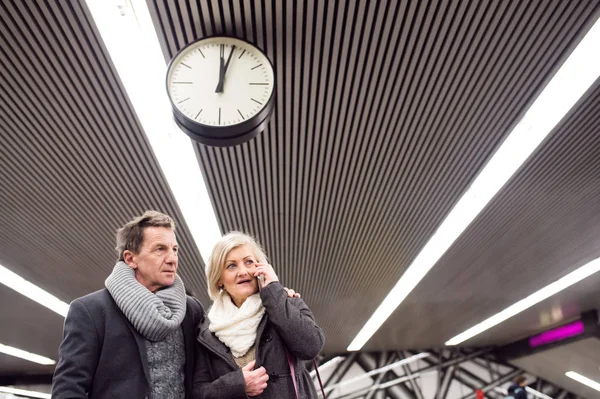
(288, 325)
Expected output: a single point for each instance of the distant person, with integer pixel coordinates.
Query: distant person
(136, 337)
(253, 335)
(517, 389)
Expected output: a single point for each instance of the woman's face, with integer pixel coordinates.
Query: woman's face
(237, 276)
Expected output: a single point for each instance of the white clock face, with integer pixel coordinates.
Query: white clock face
(220, 81)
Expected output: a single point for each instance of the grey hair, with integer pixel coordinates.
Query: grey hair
(216, 261)
(131, 236)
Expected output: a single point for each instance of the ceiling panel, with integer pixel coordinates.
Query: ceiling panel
(385, 112)
(542, 225)
(582, 357)
(75, 162)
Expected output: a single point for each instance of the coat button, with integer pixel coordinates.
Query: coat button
(267, 337)
(273, 377)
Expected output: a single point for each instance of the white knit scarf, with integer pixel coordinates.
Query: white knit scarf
(236, 327)
(153, 315)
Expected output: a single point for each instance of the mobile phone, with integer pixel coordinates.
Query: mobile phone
(261, 280)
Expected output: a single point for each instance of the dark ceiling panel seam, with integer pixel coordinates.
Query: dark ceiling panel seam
(323, 220)
(296, 48)
(365, 26)
(48, 218)
(59, 98)
(75, 184)
(143, 147)
(316, 84)
(421, 53)
(87, 76)
(505, 203)
(355, 196)
(47, 184)
(346, 167)
(305, 137)
(82, 81)
(215, 191)
(57, 283)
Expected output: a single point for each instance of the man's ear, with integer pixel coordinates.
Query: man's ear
(128, 258)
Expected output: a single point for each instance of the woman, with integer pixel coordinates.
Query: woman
(250, 332)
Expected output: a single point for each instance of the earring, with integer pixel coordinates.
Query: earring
(221, 290)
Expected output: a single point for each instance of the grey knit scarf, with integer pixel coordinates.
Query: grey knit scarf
(154, 316)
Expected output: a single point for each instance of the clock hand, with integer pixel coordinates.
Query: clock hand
(224, 69)
(219, 88)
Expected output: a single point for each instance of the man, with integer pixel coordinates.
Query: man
(135, 338)
(517, 389)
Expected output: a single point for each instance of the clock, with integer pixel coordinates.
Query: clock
(221, 90)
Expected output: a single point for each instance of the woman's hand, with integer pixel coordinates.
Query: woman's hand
(267, 271)
(255, 380)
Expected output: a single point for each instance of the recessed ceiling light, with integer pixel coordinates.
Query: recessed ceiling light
(584, 380)
(131, 40)
(583, 272)
(33, 292)
(32, 357)
(576, 75)
(26, 393)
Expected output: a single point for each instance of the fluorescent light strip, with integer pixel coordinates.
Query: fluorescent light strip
(32, 357)
(583, 272)
(584, 380)
(33, 292)
(23, 392)
(576, 75)
(128, 33)
(327, 364)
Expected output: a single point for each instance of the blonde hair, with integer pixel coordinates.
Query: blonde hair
(216, 261)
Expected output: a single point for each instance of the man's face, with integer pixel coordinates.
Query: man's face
(156, 263)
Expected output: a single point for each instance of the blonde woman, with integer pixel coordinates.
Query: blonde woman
(250, 335)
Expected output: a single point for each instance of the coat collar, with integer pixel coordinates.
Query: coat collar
(210, 341)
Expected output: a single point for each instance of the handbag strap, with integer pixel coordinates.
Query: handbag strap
(293, 373)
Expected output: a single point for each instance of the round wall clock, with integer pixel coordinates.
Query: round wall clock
(221, 90)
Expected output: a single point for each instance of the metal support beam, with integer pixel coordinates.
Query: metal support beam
(22, 379)
(494, 384)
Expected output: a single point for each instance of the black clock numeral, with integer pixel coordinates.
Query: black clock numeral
(259, 84)
(183, 100)
(198, 114)
(219, 115)
(256, 101)
(184, 64)
(239, 112)
(183, 83)
(241, 54)
(201, 53)
(222, 48)
(256, 66)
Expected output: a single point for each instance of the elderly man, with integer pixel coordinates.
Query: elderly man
(135, 338)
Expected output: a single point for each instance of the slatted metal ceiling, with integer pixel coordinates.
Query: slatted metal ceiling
(385, 112)
(76, 164)
(543, 225)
